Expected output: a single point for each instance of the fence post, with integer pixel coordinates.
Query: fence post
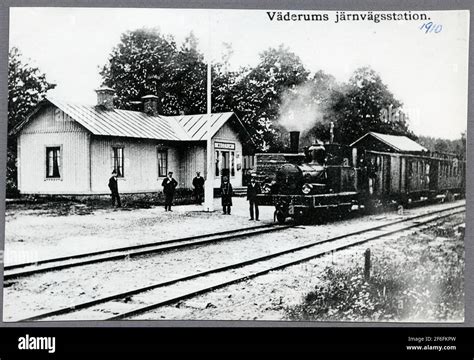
(367, 264)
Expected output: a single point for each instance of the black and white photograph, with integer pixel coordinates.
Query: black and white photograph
(236, 164)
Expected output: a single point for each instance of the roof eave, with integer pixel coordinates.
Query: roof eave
(244, 128)
(16, 130)
(359, 139)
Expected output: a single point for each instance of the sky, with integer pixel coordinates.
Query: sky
(426, 70)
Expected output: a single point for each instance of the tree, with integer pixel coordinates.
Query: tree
(148, 62)
(358, 108)
(27, 86)
(143, 63)
(257, 93)
(457, 146)
(190, 78)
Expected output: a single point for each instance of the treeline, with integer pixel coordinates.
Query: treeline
(457, 147)
(276, 95)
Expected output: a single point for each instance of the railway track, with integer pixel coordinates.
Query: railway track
(137, 301)
(59, 263)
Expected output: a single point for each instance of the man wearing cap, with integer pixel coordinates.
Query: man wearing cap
(226, 195)
(253, 189)
(169, 185)
(198, 183)
(114, 189)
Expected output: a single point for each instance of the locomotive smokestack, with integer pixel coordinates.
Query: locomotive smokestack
(294, 141)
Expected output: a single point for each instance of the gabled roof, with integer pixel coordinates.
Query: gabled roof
(196, 125)
(398, 143)
(136, 124)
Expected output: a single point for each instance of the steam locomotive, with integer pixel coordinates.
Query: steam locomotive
(368, 173)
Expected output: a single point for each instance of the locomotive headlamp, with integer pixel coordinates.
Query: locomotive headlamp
(306, 189)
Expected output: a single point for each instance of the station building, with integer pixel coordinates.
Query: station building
(71, 149)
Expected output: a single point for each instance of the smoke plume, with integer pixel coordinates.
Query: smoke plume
(299, 110)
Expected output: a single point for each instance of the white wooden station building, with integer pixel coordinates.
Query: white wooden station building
(71, 149)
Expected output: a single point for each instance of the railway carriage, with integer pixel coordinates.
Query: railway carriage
(374, 170)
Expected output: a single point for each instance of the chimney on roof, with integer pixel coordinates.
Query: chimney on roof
(150, 104)
(105, 97)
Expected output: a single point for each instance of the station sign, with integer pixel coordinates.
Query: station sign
(222, 145)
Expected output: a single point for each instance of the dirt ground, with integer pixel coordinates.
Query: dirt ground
(264, 298)
(270, 297)
(47, 230)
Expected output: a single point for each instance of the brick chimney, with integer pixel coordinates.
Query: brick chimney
(105, 98)
(150, 104)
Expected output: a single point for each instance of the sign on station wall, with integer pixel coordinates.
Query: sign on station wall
(223, 145)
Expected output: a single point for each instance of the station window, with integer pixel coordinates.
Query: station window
(53, 162)
(225, 163)
(162, 163)
(118, 161)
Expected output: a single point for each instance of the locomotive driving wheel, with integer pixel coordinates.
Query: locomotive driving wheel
(280, 216)
(299, 217)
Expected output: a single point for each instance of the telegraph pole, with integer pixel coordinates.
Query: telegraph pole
(209, 184)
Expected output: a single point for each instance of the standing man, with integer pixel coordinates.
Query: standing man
(169, 185)
(198, 183)
(253, 189)
(226, 194)
(114, 189)
(372, 175)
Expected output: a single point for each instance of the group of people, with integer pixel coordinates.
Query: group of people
(253, 189)
(169, 186)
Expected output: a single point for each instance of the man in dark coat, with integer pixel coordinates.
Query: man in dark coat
(169, 185)
(226, 195)
(198, 183)
(114, 189)
(253, 189)
(372, 175)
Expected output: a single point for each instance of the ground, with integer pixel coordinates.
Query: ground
(434, 289)
(45, 232)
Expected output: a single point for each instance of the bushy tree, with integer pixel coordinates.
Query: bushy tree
(190, 78)
(457, 146)
(357, 108)
(148, 62)
(143, 63)
(258, 91)
(27, 86)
